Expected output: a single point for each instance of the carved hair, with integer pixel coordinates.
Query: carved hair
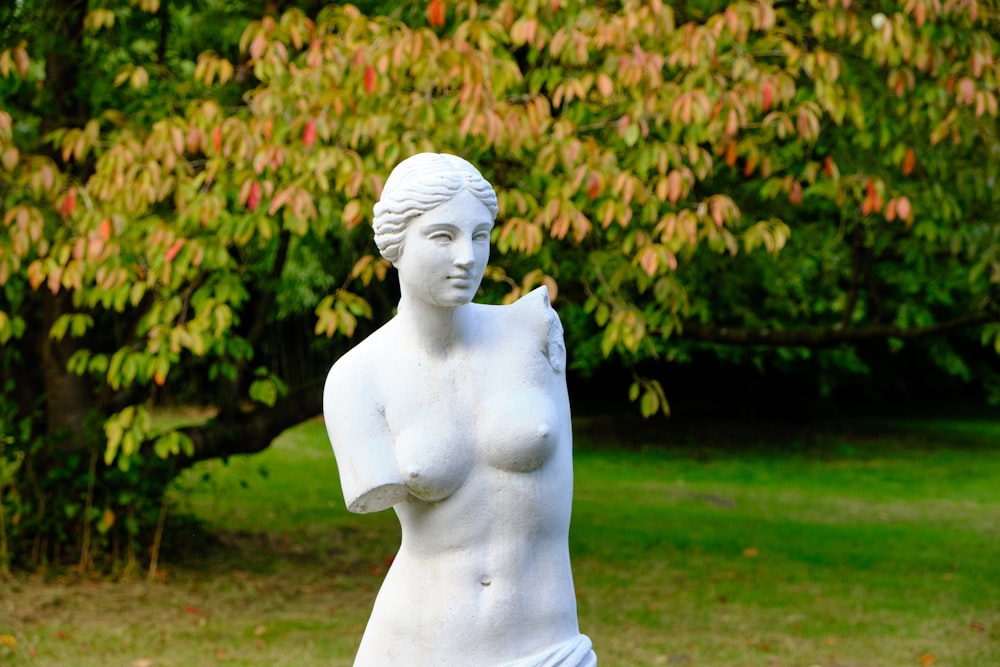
(419, 184)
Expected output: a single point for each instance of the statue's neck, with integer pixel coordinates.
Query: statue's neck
(435, 330)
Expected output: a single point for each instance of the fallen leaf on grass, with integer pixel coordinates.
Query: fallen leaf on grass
(8, 640)
(751, 552)
(927, 659)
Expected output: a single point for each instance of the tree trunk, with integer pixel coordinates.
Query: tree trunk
(62, 95)
(69, 397)
(252, 432)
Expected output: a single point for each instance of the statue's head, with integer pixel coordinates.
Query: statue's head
(419, 184)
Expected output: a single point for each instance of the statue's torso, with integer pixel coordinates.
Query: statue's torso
(482, 439)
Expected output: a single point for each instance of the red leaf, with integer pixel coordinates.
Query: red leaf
(68, 203)
(593, 185)
(767, 93)
(254, 197)
(909, 161)
(194, 611)
(369, 79)
(104, 229)
(309, 132)
(217, 138)
(795, 196)
(174, 249)
(828, 166)
(435, 13)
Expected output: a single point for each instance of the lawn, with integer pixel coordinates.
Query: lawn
(872, 544)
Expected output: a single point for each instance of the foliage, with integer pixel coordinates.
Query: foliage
(802, 175)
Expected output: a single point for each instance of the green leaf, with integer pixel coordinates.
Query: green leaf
(264, 391)
(60, 326)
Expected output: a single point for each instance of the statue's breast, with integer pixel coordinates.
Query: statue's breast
(520, 430)
(434, 456)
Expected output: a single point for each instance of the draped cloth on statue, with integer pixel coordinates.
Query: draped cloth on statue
(575, 652)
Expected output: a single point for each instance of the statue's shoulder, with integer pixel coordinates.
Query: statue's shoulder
(358, 369)
(533, 314)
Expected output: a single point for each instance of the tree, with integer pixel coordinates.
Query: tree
(796, 175)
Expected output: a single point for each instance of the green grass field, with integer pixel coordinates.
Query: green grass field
(874, 545)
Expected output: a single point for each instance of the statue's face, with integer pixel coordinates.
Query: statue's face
(445, 252)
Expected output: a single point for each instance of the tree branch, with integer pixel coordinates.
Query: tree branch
(252, 432)
(828, 337)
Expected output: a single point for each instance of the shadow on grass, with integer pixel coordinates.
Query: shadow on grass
(703, 436)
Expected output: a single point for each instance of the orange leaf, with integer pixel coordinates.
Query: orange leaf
(795, 195)
(909, 161)
(217, 138)
(732, 123)
(927, 659)
(649, 261)
(674, 185)
(903, 208)
(369, 79)
(352, 213)
(21, 61)
(767, 93)
(593, 185)
(104, 229)
(890, 210)
(435, 13)
(731, 153)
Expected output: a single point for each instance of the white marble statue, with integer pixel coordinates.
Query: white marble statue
(456, 415)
